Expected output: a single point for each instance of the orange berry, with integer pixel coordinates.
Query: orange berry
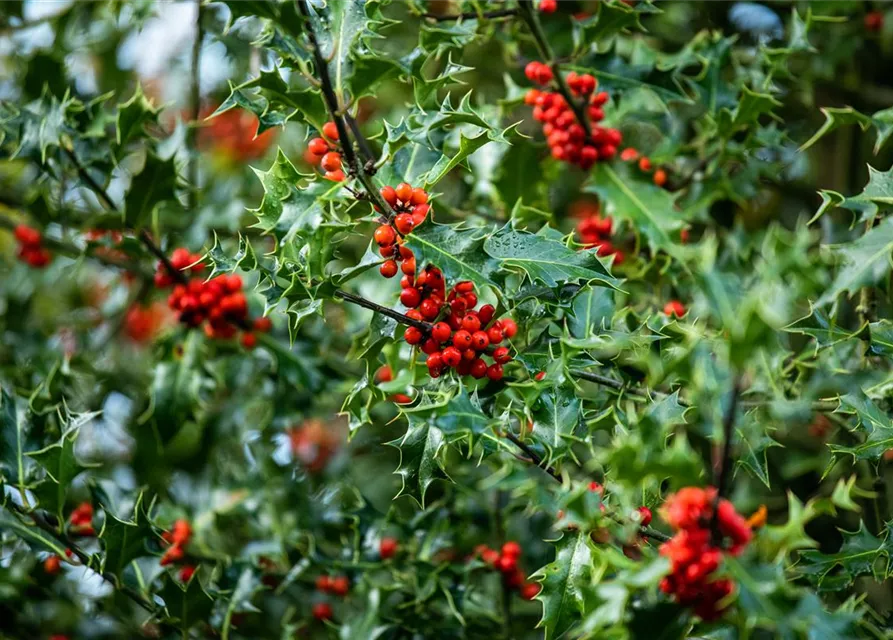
(330, 130)
(404, 192)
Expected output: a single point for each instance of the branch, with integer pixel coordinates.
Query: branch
(533, 455)
(42, 523)
(385, 311)
(722, 479)
(362, 143)
(528, 14)
(334, 109)
(194, 106)
(103, 195)
(471, 15)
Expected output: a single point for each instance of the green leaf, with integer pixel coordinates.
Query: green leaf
(187, 605)
(649, 209)
(751, 106)
(61, 466)
(871, 421)
(420, 448)
(37, 538)
(860, 554)
(133, 115)
(883, 122)
(863, 262)
(543, 260)
(457, 251)
(818, 325)
(837, 117)
(442, 167)
(592, 311)
(878, 193)
(555, 419)
(881, 338)
(149, 188)
(565, 585)
(124, 541)
(12, 440)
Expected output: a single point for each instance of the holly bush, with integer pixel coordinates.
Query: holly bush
(634, 381)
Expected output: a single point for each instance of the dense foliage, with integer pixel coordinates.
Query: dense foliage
(446, 319)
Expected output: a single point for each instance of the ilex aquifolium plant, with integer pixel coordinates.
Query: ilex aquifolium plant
(370, 319)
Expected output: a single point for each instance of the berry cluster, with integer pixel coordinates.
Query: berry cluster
(644, 163)
(219, 301)
(595, 232)
(566, 137)
(410, 210)
(506, 562)
(178, 538)
(320, 150)
(31, 250)
(338, 585)
(693, 556)
(464, 336)
(80, 523)
(234, 134)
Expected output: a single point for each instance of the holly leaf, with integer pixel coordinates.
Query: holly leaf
(61, 466)
(545, 260)
(836, 117)
(457, 251)
(591, 311)
(420, 448)
(149, 188)
(883, 122)
(863, 262)
(124, 541)
(187, 605)
(12, 438)
(877, 193)
(648, 208)
(133, 116)
(860, 554)
(36, 538)
(555, 420)
(872, 422)
(565, 583)
(881, 338)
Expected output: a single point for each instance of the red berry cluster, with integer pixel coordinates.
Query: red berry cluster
(506, 562)
(595, 231)
(674, 308)
(80, 523)
(464, 336)
(644, 163)
(338, 585)
(410, 208)
(219, 301)
(693, 556)
(325, 153)
(178, 538)
(548, 6)
(31, 250)
(566, 137)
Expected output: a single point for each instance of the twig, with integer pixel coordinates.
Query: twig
(385, 311)
(471, 15)
(334, 109)
(103, 195)
(528, 14)
(365, 150)
(722, 479)
(194, 106)
(533, 455)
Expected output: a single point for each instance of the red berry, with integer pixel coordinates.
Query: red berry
(388, 269)
(52, 565)
(509, 328)
(479, 340)
(430, 346)
(318, 146)
(501, 355)
(441, 332)
(186, 573)
(340, 586)
(530, 590)
(322, 611)
(471, 322)
(419, 196)
(323, 583)
(404, 223)
(401, 398)
(462, 339)
(330, 130)
(674, 308)
(404, 192)
(384, 235)
(435, 360)
(249, 340)
(644, 164)
(263, 325)
(660, 177)
(629, 154)
(548, 6)
(331, 161)
(410, 298)
(874, 21)
(387, 548)
(412, 335)
(494, 372)
(644, 516)
(384, 374)
(27, 236)
(507, 564)
(512, 549)
(335, 176)
(389, 195)
(451, 357)
(478, 368)
(486, 313)
(408, 266)
(429, 309)
(494, 334)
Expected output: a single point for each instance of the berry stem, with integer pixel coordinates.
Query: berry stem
(533, 455)
(722, 474)
(528, 14)
(385, 311)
